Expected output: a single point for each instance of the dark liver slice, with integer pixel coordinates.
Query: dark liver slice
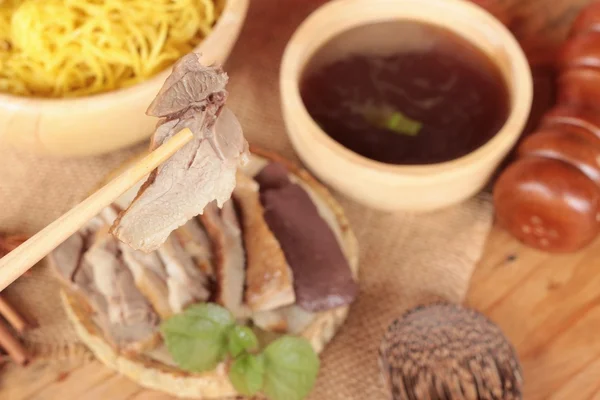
(273, 176)
(322, 276)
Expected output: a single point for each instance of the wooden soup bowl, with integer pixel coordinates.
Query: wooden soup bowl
(402, 187)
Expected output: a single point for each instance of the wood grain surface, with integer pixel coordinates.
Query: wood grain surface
(548, 306)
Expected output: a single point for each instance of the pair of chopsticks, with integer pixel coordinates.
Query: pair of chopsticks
(25, 256)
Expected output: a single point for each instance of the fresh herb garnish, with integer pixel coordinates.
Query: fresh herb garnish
(241, 339)
(386, 117)
(197, 338)
(205, 334)
(400, 123)
(291, 368)
(247, 374)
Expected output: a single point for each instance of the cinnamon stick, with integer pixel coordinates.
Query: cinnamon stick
(13, 347)
(10, 242)
(12, 316)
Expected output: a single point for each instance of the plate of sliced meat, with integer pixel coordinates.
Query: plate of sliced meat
(279, 255)
(217, 251)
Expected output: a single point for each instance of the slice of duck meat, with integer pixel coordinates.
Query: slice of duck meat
(150, 278)
(189, 85)
(77, 274)
(201, 171)
(268, 275)
(194, 239)
(298, 319)
(68, 261)
(271, 321)
(66, 258)
(132, 323)
(292, 319)
(185, 282)
(224, 230)
(322, 275)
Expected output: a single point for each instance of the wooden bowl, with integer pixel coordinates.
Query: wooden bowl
(397, 187)
(108, 121)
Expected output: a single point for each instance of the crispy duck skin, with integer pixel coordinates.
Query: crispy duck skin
(268, 275)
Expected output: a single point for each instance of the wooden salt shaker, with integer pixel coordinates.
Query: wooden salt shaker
(549, 198)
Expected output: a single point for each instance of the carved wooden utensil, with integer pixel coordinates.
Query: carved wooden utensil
(550, 197)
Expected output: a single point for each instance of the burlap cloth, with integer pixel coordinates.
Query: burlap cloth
(405, 258)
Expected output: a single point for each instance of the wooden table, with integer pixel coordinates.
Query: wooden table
(548, 305)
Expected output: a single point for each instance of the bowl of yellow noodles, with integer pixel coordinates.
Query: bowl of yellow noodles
(76, 76)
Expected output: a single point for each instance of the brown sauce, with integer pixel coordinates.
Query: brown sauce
(404, 92)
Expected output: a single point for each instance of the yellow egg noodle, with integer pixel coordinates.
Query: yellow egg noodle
(68, 48)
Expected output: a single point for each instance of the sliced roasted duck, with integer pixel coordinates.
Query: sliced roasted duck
(201, 171)
(268, 275)
(225, 233)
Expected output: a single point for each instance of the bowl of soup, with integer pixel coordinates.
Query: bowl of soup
(404, 104)
(78, 83)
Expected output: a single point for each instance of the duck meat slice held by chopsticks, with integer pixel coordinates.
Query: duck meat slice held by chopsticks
(203, 170)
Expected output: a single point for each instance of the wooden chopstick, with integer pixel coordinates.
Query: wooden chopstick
(18, 261)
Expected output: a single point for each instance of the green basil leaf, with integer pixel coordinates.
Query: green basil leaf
(247, 374)
(241, 338)
(197, 338)
(291, 368)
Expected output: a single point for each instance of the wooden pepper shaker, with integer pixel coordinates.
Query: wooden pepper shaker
(549, 198)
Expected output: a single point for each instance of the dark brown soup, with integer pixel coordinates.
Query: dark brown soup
(404, 92)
